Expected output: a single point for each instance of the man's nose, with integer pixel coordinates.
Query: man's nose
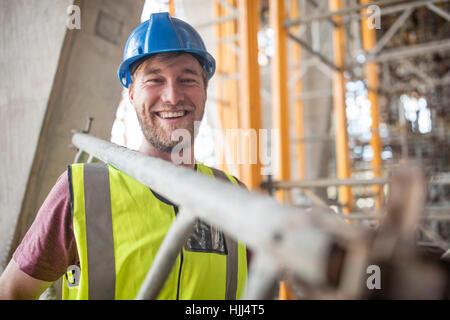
(172, 94)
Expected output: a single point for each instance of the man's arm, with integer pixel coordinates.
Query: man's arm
(46, 250)
(16, 284)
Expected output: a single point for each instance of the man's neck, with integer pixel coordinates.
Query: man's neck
(147, 149)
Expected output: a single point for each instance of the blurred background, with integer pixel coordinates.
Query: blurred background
(342, 90)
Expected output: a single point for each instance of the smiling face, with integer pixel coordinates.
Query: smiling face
(168, 93)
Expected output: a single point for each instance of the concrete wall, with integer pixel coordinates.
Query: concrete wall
(31, 38)
(59, 78)
(317, 101)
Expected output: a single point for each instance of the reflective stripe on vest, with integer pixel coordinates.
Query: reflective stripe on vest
(109, 263)
(232, 258)
(100, 254)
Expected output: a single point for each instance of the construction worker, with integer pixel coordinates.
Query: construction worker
(100, 229)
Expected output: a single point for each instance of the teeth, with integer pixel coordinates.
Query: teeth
(169, 114)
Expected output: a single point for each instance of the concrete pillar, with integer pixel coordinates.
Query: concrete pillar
(317, 103)
(54, 79)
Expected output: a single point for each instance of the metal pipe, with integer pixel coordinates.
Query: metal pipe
(214, 22)
(439, 11)
(410, 51)
(317, 6)
(312, 139)
(233, 38)
(315, 199)
(428, 214)
(262, 279)
(227, 6)
(77, 158)
(178, 233)
(435, 217)
(332, 13)
(322, 183)
(391, 7)
(442, 179)
(299, 240)
(316, 94)
(388, 34)
(409, 4)
(297, 103)
(435, 238)
(316, 53)
(446, 256)
(361, 216)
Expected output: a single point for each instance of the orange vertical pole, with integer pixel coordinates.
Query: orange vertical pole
(250, 98)
(226, 90)
(232, 90)
(226, 113)
(371, 72)
(342, 154)
(172, 8)
(280, 107)
(218, 32)
(298, 103)
(230, 112)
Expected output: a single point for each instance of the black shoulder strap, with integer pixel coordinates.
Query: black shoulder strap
(219, 174)
(232, 247)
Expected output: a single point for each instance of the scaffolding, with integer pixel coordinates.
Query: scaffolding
(361, 51)
(398, 52)
(316, 251)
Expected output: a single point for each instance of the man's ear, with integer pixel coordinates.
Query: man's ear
(130, 93)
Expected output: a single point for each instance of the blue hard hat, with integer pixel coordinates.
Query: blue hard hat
(163, 33)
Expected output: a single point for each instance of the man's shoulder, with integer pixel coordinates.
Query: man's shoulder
(61, 187)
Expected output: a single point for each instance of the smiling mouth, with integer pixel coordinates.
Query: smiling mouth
(172, 114)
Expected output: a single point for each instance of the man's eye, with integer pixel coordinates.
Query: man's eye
(188, 80)
(153, 80)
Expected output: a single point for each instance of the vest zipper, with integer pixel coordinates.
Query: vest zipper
(175, 208)
(179, 274)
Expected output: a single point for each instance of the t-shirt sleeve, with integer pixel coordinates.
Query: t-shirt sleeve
(49, 247)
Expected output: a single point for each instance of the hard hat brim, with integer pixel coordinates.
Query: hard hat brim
(124, 74)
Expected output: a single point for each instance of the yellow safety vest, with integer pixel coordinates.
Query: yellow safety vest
(119, 224)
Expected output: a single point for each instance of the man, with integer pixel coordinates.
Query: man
(99, 228)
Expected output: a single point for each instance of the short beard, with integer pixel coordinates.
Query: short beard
(159, 142)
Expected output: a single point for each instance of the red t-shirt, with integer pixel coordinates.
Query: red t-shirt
(49, 246)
